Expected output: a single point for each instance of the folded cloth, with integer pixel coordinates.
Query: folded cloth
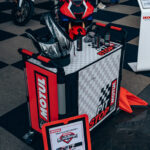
(127, 99)
(101, 6)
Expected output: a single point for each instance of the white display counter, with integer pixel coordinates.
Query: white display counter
(143, 60)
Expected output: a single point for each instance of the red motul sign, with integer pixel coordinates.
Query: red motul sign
(146, 17)
(43, 97)
(106, 50)
(113, 92)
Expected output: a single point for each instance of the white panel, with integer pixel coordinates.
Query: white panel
(95, 84)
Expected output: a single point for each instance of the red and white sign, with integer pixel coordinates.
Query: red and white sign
(43, 97)
(113, 92)
(106, 50)
(146, 17)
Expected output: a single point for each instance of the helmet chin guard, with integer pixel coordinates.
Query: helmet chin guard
(58, 35)
(57, 47)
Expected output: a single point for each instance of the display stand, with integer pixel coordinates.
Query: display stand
(143, 60)
(92, 74)
(88, 85)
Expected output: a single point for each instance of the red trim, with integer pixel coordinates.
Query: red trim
(111, 27)
(65, 121)
(116, 28)
(24, 51)
(89, 10)
(100, 24)
(44, 59)
(65, 11)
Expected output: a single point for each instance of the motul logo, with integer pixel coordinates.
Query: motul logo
(113, 92)
(105, 51)
(146, 17)
(42, 98)
(42, 93)
(67, 137)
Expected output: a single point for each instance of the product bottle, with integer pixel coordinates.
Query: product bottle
(97, 44)
(61, 93)
(107, 39)
(79, 41)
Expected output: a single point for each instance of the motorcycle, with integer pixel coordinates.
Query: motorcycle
(75, 16)
(70, 12)
(22, 11)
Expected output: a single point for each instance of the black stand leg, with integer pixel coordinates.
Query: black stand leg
(29, 136)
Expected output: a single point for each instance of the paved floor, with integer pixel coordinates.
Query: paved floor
(123, 132)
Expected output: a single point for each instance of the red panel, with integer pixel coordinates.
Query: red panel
(89, 10)
(65, 10)
(44, 59)
(49, 98)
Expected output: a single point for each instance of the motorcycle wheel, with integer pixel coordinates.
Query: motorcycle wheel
(22, 15)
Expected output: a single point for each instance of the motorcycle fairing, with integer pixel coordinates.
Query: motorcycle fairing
(78, 8)
(58, 34)
(64, 18)
(65, 9)
(89, 9)
(72, 9)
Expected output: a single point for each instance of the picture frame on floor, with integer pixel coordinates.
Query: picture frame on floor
(67, 134)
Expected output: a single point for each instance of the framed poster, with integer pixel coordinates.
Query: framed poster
(67, 134)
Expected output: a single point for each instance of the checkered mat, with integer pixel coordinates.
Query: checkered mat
(123, 132)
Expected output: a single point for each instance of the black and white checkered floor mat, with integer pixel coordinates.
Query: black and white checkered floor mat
(123, 132)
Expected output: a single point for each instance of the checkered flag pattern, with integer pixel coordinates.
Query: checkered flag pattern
(92, 81)
(105, 95)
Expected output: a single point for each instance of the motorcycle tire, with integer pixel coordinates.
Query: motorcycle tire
(22, 15)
